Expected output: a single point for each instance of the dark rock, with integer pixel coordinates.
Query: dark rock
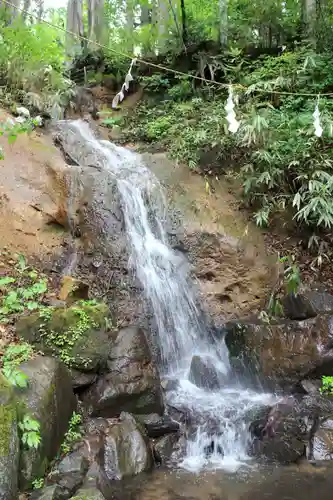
(157, 426)
(212, 448)
(311, 387)
(164, 447)
(132, 384)
(84, 344)
(285, 352)
(298, 307)
(321, 443)
(82, 380)
(170, 384)
(70, 472)
(54, 492)
(204, 374)
(88, 494)
(127, 450)
(307, 304)
(284, 435)
(49, 398)
(9, 443)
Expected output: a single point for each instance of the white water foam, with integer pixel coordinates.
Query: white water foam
(219, 414)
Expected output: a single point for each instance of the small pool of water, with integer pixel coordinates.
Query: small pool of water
(302, 482)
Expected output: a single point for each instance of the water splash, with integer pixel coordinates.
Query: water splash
(164, 275)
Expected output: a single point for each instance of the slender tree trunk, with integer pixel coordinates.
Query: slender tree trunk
(223, 5)
(40, 10)
(162, 24)
(309, 18)
(26, 7)
(74, 25)
(130, 23)
(184, 23)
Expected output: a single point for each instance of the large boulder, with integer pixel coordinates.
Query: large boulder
(282, 436)
(77, 335)
(49, 399)
(308, 304)
(284, 352)
(204, 374)
(9, 443)
(292, 428)
(69, 473)
(88, 494)
(157, 425)
(132, 384)
(126, 449)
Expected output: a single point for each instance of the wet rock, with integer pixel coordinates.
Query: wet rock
(49, 398)
(285, 352)
(82, 330)
(321, 444)
(204, 374)
(169, 384)
(54, 492)
(311, 387)
(132, 384)
(88, 494)
(283, 435)
(157, 425)
(307, 304)
(82, 380)
(9, 443)
(127, 451)
(72, 289)
(70, 472)
(164, 447)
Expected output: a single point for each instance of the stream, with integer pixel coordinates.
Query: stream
(204, 385)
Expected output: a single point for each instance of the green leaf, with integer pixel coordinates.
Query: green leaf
(12, 138)
(6, 280)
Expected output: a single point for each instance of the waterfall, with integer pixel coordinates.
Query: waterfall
(219, 436)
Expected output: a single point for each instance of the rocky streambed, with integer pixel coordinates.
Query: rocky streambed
(101, 358)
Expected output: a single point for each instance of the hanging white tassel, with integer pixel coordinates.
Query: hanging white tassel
(121, 94)
(231, 115)
(316, 120)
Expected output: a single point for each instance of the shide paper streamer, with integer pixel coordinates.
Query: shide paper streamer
(316, 120)
(121, 95)
(231, 115)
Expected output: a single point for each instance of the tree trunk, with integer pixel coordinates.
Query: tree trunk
(74, 25)
(130, 23)
(26, 7)
(162, 24)
(184, 24)
(309, 18)
(223, 4)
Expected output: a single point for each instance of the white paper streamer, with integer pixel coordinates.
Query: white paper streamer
(231, 115)
(121, 94)
(316, 120)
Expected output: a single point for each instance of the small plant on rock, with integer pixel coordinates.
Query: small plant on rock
(327, 385)
(30, 431)
(73, 434)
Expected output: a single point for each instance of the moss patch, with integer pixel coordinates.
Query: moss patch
(76, 334)
(7, 416)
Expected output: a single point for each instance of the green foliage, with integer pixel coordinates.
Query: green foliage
(36, 64)
(74, 433)
(38, 483)
(30, 432)
(14, 355)
(80, 319)
(327, 385)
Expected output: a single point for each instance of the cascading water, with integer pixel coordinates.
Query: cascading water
(219, 412)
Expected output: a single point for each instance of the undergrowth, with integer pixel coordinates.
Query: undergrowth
(280, 162)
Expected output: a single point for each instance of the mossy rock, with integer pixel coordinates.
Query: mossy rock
(49, 398)
(88, 494)
(77, 335)
(9, 443)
